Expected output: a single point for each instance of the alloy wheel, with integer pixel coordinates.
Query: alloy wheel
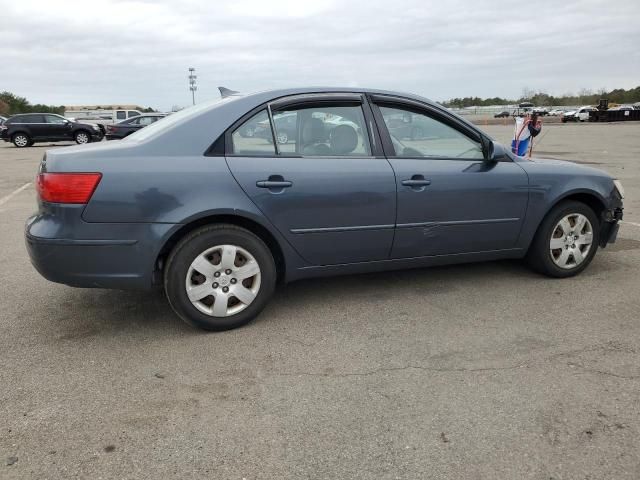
(282, 138)
(571, 241)
(82, 138)
(223, 280)
(21, 140)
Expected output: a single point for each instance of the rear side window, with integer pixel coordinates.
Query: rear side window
(131, 113)
(29, 119)
(143, 120)
(254, 137)
(121, 114)
(323, 130)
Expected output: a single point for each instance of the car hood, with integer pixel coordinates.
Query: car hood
(553, 165)
(572, 112)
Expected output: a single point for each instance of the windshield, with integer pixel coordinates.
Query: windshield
(171, 120)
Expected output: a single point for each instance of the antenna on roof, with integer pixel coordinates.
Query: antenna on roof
(225, 92)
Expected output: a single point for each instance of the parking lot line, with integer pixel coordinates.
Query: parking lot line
(5, 199)
(630, 223)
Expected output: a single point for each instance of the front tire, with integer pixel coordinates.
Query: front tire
(219, 277)
(21, 140)
(566, 241)
(81, 137)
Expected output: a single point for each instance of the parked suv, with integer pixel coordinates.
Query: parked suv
(26, 129)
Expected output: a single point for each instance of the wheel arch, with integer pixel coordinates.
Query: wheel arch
(238, 220)
(591, 198)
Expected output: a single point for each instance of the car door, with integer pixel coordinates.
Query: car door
(36, 125)
(322, 184)
(450, 200)
(58, 128)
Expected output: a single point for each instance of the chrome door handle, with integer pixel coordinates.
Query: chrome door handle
(273, 184)
(416, 182)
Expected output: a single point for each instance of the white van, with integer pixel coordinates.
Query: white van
(101, 116)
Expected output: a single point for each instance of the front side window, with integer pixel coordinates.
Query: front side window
(418, 135)
(324, 130)
(131, 113)
(254, 137)
(54, 119)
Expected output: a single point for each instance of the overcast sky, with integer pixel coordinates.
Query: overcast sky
(120, 51)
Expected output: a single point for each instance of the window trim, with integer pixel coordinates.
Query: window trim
(375, 141)
(392, 101)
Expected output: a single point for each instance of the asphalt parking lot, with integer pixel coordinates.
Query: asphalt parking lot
(483, 371)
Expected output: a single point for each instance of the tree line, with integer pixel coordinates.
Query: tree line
(11, 104)
(542, 99)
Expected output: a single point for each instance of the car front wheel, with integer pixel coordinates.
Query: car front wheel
(566, 241)
(82, 137)
(219, 277)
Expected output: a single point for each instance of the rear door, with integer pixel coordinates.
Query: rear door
(450, 200)
(321, 183)
(36, 125)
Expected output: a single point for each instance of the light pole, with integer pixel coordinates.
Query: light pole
(192, 84)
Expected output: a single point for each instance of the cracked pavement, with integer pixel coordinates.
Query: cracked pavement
(484, 371)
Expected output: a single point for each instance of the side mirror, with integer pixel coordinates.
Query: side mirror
(494, 151)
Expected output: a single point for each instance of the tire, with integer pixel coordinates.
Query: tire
(21, 140)
(82, 136)
(203, 245)
(547, 260)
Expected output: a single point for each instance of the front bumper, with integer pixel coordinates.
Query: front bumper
(610, 226)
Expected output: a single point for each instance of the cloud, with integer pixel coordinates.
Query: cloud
(138, 51)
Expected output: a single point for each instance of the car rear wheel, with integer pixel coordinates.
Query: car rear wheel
(82, 137)
(21, 140)
(219, 277)
(566, 241)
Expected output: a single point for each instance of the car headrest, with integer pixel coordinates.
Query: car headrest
(312, 131)
(344, 139)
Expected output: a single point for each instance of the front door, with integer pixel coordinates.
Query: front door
(450, 201)
(57, 127)
(319, 182)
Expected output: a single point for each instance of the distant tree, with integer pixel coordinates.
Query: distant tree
(4, 108)
(18, 104)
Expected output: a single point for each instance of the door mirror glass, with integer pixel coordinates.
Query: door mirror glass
(496, 151)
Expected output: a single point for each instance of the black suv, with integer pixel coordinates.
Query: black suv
(27, 128)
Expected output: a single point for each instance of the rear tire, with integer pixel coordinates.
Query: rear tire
(21, 140)
(566, 240)
(211, 265)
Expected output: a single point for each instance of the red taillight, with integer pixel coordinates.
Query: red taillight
(111, 128)
(67, 187)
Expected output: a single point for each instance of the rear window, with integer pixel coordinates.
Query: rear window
(27, 119)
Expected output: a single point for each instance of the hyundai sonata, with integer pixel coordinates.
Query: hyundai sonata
(218, 218)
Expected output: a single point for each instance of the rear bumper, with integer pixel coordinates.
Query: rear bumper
(119, 256)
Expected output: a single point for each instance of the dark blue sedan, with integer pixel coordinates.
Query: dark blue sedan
(218, 218)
